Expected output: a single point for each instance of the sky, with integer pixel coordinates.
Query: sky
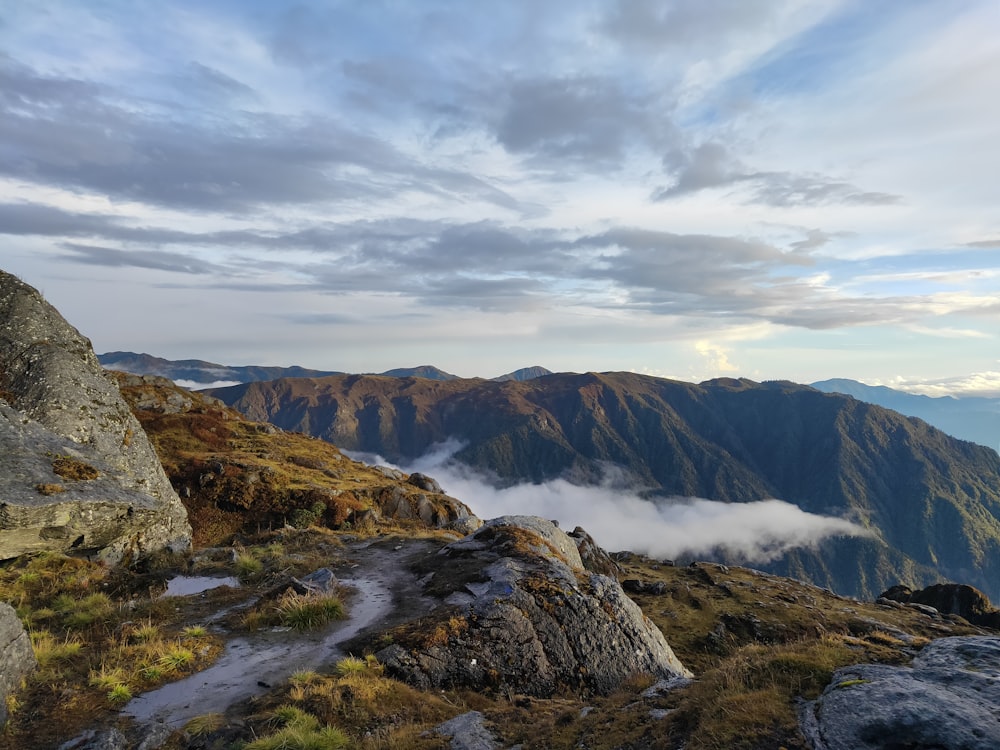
(691, 189)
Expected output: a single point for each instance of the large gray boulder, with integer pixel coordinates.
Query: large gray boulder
(17, 658)
(520, 611)
(77, 473)
(947, 699)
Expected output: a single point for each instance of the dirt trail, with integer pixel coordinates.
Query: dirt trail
(386, 591)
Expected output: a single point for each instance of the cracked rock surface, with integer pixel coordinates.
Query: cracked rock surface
(77, 473)
(519, 610)
(947, 699)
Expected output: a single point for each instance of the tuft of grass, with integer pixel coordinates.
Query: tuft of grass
(205, 724)
(310, 611)
(194, 631)
(300, 731)
(152, 672)
(107, 677)
(146, 632)
(351, 665)
(176, 659)
(48, 650)
(248, 567)
(120, 693)
(82, 613)
(304, 677)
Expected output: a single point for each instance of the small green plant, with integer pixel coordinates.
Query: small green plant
(194, 631)
(303, 677)
(248, 567)
(351, 665)
(176, 659)
(146, 632)
(120, 693)
(107, 677)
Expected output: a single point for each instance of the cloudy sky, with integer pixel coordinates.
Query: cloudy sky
(686, 188)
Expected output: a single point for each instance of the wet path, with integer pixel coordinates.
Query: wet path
(251, 664)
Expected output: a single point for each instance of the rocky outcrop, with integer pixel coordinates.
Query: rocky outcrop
(947, 699)
(520, 611)
(967, 602)
(77, 473)
(467, 731)
(17, 658)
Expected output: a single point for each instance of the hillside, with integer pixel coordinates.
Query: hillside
(234, 475)
(932, 501)
(968, 418)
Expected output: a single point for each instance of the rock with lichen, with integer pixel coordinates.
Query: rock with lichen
(77, 473)
(519, 610)
(946, 699)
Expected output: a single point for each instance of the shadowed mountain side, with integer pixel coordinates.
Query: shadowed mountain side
(934, 500)
(968, 418)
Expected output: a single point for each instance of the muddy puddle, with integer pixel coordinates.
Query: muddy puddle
(190, 585)
(251, 664)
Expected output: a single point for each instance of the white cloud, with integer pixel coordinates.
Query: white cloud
(619, 519)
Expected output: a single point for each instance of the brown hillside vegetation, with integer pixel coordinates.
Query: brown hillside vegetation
(236, 475)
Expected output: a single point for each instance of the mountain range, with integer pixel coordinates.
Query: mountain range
(970, 417)
(200, 372)
(931, 501)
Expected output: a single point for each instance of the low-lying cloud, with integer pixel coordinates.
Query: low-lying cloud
(620, 519)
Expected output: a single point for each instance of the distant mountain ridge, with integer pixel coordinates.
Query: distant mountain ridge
(208, 373)
(932, 501)
(969, 418)
(200, 371)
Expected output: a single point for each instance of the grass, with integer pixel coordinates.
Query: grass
(248, 567)
(300, 730)
(310, 611)
(94, 652)
(205, 724)
(176, 659)
(371, 710)
(119, 694)
(50, 650)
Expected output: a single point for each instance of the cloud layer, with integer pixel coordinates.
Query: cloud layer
(619, 519)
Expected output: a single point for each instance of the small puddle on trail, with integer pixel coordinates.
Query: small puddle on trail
(251, 664)
(189, 585)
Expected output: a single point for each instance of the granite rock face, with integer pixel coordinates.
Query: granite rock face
(519, 610)
(77, 473)
(947, 699)
(17, 658)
